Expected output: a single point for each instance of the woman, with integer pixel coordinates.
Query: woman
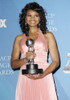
(33, 25)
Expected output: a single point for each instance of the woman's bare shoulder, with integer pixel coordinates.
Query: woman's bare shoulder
(19, 37)
(49, 35)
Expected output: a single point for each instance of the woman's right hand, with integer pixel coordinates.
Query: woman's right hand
(30, 55)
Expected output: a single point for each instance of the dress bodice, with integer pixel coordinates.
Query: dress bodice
(40, 47)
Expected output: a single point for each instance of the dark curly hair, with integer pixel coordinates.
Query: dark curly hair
(35, 7)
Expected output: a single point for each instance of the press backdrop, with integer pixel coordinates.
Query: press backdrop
(58, 16)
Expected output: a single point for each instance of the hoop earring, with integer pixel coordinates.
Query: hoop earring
(39, 25)
(25, 23)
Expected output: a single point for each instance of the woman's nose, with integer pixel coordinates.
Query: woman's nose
(32, 17)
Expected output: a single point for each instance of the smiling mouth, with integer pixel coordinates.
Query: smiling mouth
(32, 22)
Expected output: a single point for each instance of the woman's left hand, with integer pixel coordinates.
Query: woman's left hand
(36, 76)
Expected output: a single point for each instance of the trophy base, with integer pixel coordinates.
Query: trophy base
(32, 69)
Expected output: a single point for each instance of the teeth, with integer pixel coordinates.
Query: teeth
(32, 21)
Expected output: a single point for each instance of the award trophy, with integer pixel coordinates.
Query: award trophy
(31, 68)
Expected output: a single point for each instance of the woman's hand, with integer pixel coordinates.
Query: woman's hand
(36, 76)
(30, 55)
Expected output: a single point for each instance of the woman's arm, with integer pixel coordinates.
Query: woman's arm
(53, 53)
(15, 61)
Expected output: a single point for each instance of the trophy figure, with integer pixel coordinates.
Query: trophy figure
(31, 68)
(67, 66)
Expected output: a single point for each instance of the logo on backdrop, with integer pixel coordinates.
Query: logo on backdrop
(3, 23)
(5, 68)
(67, 66)
(51, 22)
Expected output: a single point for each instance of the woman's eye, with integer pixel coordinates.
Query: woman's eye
(36, 15)
(28, 15)
(33, 16)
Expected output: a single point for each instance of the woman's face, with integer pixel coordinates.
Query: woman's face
(32, 18)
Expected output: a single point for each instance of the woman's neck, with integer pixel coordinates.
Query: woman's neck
(33, 30)
(33, 33)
